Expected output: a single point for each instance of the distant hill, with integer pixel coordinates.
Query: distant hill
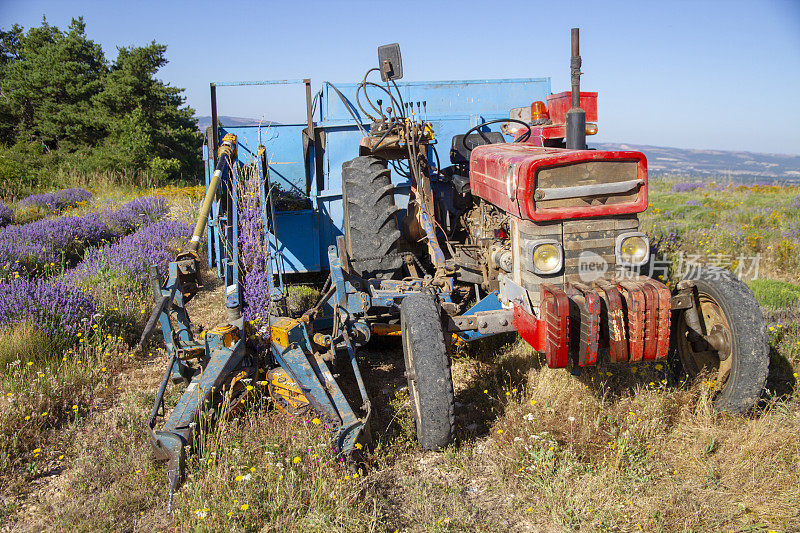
(205, 121)
(742, 167)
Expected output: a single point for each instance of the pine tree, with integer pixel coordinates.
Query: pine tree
(61, 100)
(51, 84)
(147, 117)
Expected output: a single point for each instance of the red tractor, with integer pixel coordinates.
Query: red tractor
(544, 234)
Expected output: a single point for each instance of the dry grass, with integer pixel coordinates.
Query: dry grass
(536, 449)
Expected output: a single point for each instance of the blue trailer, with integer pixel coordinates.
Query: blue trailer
(304, 235)
(304, 160)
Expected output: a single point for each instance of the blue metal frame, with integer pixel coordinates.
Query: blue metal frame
(303, 237)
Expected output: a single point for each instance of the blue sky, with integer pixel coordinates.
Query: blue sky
(703, 74)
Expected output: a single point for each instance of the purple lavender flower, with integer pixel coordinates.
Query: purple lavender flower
(687, 186)
(6, 215)
(57, 201)
(30, 248)
(130, 258)
(257, 279)
(694, 203)
(54, 308)
(136, 213)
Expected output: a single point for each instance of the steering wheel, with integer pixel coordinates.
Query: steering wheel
(525, 136)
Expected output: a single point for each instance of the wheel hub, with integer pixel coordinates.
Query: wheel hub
(712, 354)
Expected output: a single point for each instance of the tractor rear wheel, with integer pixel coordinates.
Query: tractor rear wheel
(370, 224)
(430, 383)
(729, 314)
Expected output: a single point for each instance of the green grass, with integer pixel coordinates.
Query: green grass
(775, 294)
(731, 227)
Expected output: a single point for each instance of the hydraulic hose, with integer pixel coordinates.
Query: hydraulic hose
(226, 151)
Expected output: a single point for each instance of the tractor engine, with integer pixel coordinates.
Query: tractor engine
(559, 234)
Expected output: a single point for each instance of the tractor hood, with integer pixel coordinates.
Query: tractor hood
(540, 183)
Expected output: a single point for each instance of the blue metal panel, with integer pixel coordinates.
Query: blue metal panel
(446, 100)
(488, 303)
(284, 145)
(452, 108)
(298, 240)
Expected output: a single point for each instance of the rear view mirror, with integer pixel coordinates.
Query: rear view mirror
(390, 62)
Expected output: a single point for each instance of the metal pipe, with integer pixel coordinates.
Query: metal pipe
(575, 68)
(202, 215)
(214, 128)
(576, 117)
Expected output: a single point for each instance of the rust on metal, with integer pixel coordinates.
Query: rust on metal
(650, 321)
(555, 312)
(614, 324)
(386, 329)
(635, 302)
(287, 394)
(588, 303)
(664, 316)
(280, 330)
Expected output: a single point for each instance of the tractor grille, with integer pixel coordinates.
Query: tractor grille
(585, 242)
(587, 173)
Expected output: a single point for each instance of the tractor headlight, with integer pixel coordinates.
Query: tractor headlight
(633, 249)
(546, 256)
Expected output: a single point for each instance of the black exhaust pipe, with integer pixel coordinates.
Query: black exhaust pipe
(576, 117)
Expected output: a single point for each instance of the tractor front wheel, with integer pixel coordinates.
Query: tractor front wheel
(734, 351)
(430, 383)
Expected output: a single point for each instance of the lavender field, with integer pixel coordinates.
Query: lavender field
(619, 449)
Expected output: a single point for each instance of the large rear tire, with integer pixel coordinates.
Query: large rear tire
(727, 310)
(430, 383)
(370, 222)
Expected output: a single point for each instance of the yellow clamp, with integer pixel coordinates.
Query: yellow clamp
(228, 146)
(280, 330)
